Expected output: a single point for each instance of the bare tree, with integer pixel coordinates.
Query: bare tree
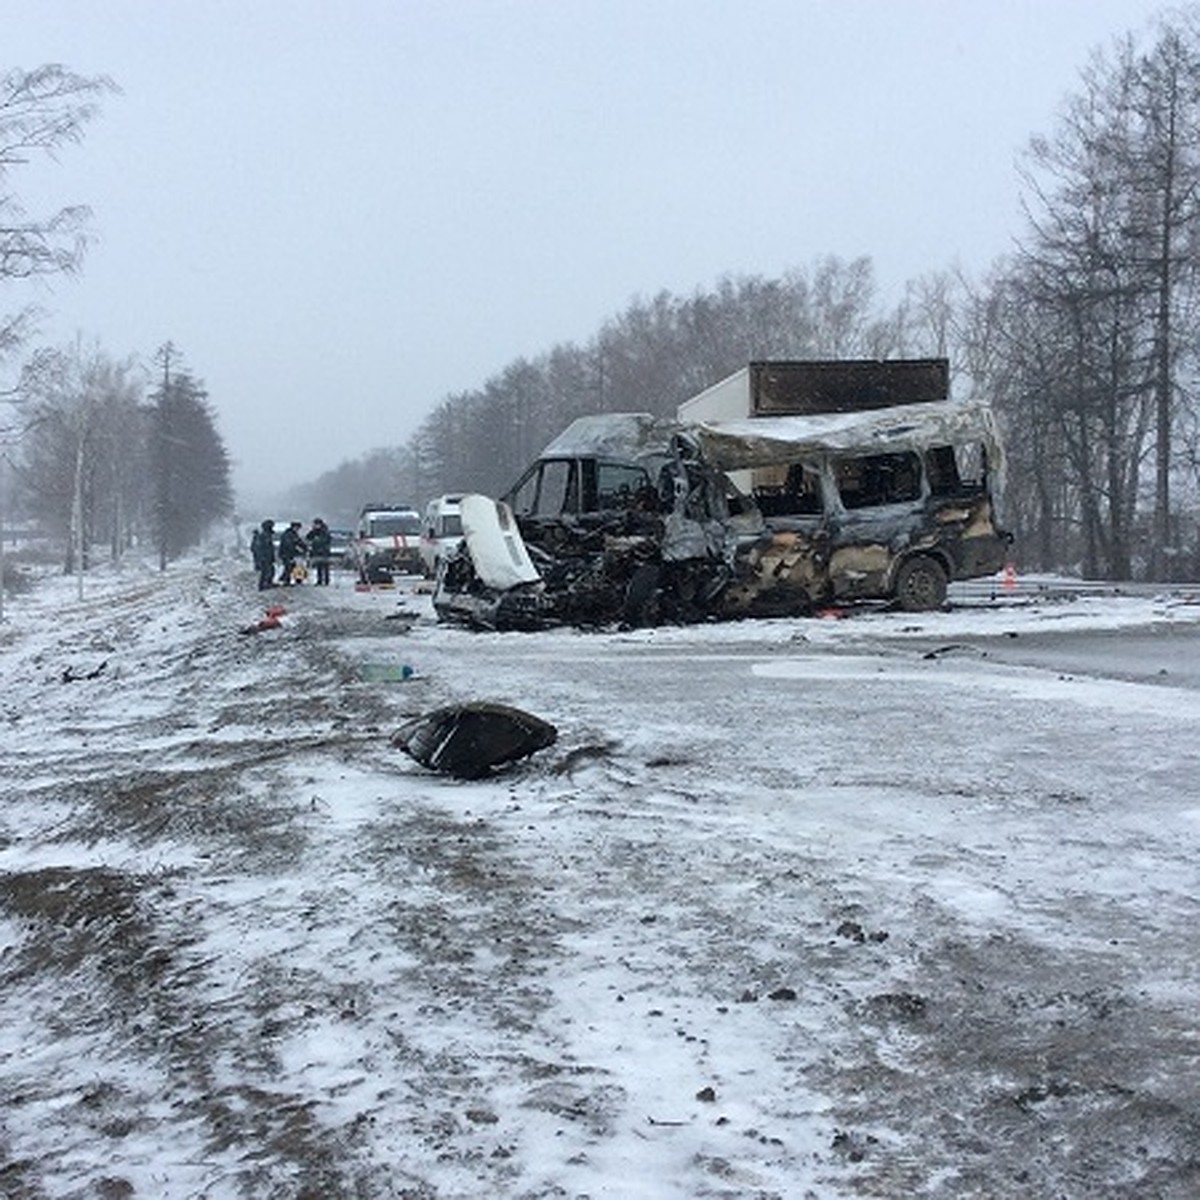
(650, 357)
(79, 466)
(1094, 309)
(1166, 184)
(41, 111)
(653, 355)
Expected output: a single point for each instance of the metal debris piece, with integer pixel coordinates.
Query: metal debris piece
(469, 740)
(70, 675)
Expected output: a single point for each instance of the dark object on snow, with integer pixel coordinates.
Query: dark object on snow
(577, 755)
(468, 740)
(942, 651)
(69, 675)
(899, 1004)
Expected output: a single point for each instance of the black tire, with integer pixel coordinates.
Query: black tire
(920, 584)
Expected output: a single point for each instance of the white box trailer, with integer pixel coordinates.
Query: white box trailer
(806, 387)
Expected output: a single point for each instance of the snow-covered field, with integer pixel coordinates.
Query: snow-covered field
(880, 906)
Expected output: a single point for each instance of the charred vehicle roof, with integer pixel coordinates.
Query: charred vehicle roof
(763, 441)
(630, 518)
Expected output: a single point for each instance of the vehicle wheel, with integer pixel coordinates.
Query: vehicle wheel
(920, 584)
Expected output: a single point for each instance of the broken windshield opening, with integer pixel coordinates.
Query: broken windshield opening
(621, 486)
(559, 487)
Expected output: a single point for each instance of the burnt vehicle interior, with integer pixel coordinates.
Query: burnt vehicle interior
(589, 525)
(897, 523)
(590, 490)
(873, 480)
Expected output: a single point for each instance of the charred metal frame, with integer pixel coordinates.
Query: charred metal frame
(703, 536)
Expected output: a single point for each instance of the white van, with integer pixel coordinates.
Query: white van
(386, 542)
(441, 532)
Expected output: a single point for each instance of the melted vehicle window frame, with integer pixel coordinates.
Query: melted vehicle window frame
(957, 469)
(582, 486)
(796, 491)
(879, 480)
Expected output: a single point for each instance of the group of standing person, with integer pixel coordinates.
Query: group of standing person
(316, 546)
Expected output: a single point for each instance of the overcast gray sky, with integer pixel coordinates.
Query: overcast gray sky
(343, 212)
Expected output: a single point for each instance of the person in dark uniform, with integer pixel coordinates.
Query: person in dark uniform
(320, 544)
(262, 548)
(291, 546)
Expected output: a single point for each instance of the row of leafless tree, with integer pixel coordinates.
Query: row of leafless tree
(91, 453)
(656, 354)
(1085, 338)
(104, 461)
(1090, 331)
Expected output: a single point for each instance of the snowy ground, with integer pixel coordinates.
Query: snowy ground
(869, 907)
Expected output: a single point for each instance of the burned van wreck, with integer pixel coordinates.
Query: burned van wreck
(625, 518)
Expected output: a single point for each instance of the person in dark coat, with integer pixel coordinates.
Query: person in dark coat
(291, 546)
(320, 544)
(262, 548)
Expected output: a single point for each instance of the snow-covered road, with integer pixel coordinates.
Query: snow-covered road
(872, 906)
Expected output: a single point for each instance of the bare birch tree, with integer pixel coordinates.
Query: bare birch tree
(81, 461)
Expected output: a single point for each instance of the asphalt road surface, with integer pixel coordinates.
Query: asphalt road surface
(1167, 654)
